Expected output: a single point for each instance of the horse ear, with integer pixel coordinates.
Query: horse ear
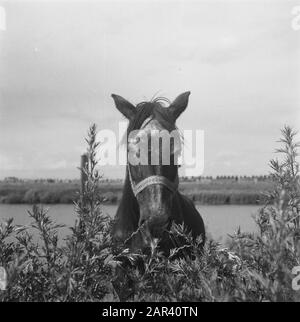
(179, 104)
(126, 108)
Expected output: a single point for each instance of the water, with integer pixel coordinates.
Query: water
(220, 221)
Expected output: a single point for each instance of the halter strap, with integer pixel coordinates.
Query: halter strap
(152, 180)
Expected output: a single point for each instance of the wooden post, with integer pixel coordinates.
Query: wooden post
(84, 162)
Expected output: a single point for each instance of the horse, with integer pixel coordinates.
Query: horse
(151, 201)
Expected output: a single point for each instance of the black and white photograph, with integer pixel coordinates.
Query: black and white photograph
(149, 154)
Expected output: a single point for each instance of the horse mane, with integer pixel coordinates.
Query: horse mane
(156, 108)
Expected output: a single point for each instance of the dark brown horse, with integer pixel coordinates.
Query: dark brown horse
(151, 200)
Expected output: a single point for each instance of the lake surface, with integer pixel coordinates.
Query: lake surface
(220, 221)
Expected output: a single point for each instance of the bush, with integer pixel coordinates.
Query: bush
(15, 198)
(79, 269)
(31, 196)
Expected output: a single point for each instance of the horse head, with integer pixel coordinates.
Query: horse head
(153, 148)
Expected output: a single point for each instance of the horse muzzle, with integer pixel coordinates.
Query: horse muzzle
(155, 224)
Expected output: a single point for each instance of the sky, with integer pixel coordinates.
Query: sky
(60, 61)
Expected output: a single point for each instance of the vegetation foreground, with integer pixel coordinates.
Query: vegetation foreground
(89, 267)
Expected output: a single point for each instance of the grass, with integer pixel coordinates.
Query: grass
(90, 267)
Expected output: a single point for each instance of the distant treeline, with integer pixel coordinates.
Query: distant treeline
(255, 178)
(30, 194)
(215, 192)
(228, 198)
